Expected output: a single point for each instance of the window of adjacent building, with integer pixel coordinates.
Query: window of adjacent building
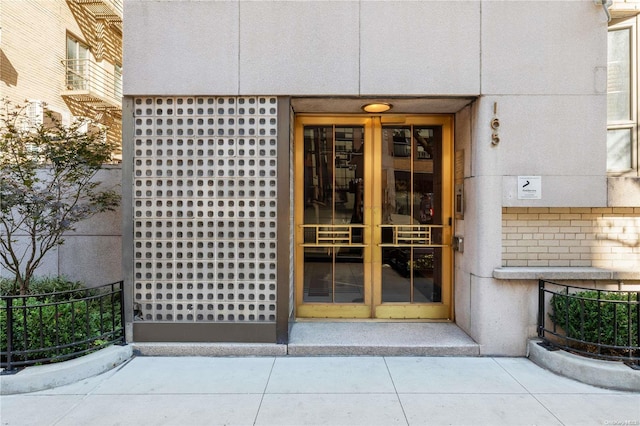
(77, 64)
(622, 99)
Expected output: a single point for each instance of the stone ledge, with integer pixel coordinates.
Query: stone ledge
(595, 372)
(562, 273)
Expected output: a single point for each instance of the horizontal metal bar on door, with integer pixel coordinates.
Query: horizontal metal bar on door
(413, 245)
(413, 235)
(328, 235)
(329, 245)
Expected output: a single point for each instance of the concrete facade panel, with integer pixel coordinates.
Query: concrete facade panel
(540, 135)
(556, 137)
(463, 298)
(482, 242)
(94, 261)
(543, 47)
(559, 191)
(180, 47)
(108, 223)
(552, 135)
(299, 48)
(49, 266)
(506, 330)
(419, 48)
(486, 159)
(463, 143)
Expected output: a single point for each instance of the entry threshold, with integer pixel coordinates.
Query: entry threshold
(375, 338)
(337, 338)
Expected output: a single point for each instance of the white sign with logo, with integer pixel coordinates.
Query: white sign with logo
(529, 187)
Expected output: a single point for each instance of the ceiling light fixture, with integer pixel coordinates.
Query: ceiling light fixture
(377, 107)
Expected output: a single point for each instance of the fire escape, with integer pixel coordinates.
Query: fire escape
(93, 85)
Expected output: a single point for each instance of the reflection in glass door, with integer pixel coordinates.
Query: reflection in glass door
(373, 204)
(412, 218)
(333, 219)
(334, 188)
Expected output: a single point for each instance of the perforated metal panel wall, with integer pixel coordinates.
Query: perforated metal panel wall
(204, 196)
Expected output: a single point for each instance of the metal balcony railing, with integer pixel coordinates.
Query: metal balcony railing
(103, 9)
(87, 82)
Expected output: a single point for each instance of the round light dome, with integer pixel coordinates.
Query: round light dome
(377, 107)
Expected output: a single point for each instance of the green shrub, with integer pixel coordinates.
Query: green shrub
(57, 325)
(41, 285)
(577, 315)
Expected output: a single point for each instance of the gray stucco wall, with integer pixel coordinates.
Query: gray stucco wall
(93, 252)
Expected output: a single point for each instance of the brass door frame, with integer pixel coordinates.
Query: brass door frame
(328, 310)
(372, 217)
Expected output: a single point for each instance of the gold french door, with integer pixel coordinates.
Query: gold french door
(373, 216)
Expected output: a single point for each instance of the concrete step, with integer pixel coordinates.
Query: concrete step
(340, 338)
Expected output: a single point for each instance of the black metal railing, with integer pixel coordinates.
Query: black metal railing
(602, 324)
(45, 328)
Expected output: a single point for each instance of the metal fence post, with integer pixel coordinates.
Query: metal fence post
(10, 368)
(637, 325)
(540, 308)
(122, 324)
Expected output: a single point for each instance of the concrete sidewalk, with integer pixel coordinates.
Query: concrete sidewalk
(346, 391)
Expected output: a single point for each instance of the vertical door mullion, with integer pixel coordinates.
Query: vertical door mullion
(374, 219)
(411, 206)
(333, 210)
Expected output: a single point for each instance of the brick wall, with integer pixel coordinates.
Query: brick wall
(599, 237)
(33, 46)
(31, 66)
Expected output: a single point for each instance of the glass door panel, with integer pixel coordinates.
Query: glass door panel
(411, 194)
(334, 194)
